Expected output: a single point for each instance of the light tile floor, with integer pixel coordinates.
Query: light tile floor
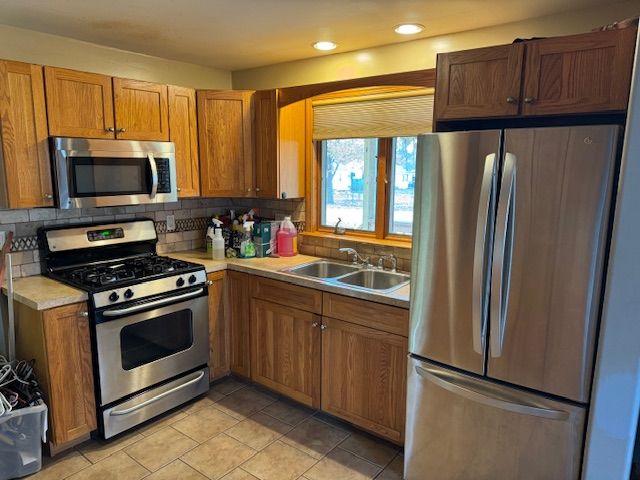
(235, 432)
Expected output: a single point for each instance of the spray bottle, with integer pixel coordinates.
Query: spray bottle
(217, 241)
(247, 247)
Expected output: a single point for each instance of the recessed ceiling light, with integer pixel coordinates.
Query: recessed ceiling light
(324, 45)
(408, 28)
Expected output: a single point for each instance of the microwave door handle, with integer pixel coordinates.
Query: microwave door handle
(484, 232)
(155, 303)
(501, 268)
(154, 175)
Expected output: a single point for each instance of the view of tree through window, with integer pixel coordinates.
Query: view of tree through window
(403, 174)
(349, 172)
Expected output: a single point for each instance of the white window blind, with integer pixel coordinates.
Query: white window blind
(396, 114)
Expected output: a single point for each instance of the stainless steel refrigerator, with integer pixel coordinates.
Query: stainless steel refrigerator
(510, 236)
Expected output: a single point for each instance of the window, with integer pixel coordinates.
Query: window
(354, 171)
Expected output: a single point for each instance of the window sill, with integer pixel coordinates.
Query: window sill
(360, 239)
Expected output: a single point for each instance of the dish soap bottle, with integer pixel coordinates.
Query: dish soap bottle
(287, 238)
(247, 247)
(217, 242)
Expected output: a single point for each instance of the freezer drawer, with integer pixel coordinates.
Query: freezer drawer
(461, 428)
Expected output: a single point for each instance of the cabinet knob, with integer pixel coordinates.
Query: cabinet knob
(315, 324)
(110, 129)
(121, 130)
(512, 100)
(178, 189)
(209, 282)
(84, 314)
(248, 190)
(47, 196)
(323, 327)
(529, 99)
(257, 189)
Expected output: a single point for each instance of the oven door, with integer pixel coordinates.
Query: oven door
(138, 350)
(100, 173)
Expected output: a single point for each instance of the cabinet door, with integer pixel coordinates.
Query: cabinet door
(292, 145)
(239, 314)
(225, 121)
(141, 110)
(183, 131)
(266, 121)
(483, 82)
(79, 104)
(71, 390)
(364, 377)
(285, 353)
(219, 334)
(23, 122)
(579, 73)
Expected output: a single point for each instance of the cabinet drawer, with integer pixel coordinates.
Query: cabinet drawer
(286, 294)
(370, 314)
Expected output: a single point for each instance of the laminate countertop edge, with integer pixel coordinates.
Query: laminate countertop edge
(42, 293)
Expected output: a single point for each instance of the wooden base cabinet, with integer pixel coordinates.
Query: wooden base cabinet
(219, 327)
(286, 350)
(59, 341)
(239, 315)
(364, 374)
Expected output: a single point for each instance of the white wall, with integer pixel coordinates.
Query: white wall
(616, 393)
(45, 49)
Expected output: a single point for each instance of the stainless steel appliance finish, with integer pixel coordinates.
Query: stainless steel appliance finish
(153, 402)
(461, 427)
(102, 173)
(323, 269)
(375, 279)
(509, 245)
(78, 237)
(120, 375)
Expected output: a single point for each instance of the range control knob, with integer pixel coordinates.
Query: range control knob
(180, 282)
(114, 296)
(192, 279)
(128, 293)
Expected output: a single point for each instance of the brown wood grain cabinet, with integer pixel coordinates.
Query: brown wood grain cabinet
(219, 327)
(577, 74)
(25, 173)
(225, 132)
(285, 350)
(58, 340)
(239, 318)
(281, 146)
(183, 132)
(79, 104)
(364, 377)
(141, 110)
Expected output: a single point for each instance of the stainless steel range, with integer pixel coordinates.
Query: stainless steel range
(149, 317)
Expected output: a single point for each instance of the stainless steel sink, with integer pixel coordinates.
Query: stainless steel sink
(375, 279)
(323, 269)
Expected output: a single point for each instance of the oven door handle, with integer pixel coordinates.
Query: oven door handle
(154, 175)
(160, 396)
(155, 303)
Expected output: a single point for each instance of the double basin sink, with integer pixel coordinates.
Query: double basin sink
(352, 276)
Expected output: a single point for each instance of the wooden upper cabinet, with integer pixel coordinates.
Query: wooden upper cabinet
(225, 130)
(281, 146)
(79, 104)
(286, 350)
(483, 82)
(579, 73)
(23, 123)
(183, 132)
(142, 111)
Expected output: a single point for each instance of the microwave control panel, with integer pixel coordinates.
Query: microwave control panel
(164, 175)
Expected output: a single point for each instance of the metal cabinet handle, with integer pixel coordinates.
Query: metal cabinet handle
(84, 314)
(257, 189)
(110, 129)
(315, 324)
(484, 234)
(248, 190)
(448, 382)
(323, 327)
(178, 189)
(209, 283)
(529, 99)
(121, 130)
(501, 268)
(512, 100)
(47, 196)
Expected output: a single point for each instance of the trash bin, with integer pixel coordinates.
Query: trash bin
(22, 432)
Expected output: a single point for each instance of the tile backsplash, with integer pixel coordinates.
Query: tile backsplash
(191, 217)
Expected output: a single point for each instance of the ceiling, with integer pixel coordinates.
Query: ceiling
(239, 34)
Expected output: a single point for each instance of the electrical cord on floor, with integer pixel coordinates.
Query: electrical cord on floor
(18, 385)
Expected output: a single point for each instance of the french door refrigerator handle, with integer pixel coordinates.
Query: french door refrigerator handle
(154, 175)
(484, 230)
(489, 398)
(501, 268)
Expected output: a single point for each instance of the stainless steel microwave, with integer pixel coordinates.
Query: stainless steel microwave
(105, 173)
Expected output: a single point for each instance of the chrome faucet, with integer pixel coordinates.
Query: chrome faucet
(337, 229)
(394, 262)
(356, 256)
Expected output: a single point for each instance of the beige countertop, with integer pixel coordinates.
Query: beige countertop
(42, 293)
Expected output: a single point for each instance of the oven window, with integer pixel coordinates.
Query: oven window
(103, 176)
(150, 340)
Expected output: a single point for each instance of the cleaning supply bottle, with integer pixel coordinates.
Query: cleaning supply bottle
(209, 239)
(217, 242)
(247, 247)
(287, 238)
